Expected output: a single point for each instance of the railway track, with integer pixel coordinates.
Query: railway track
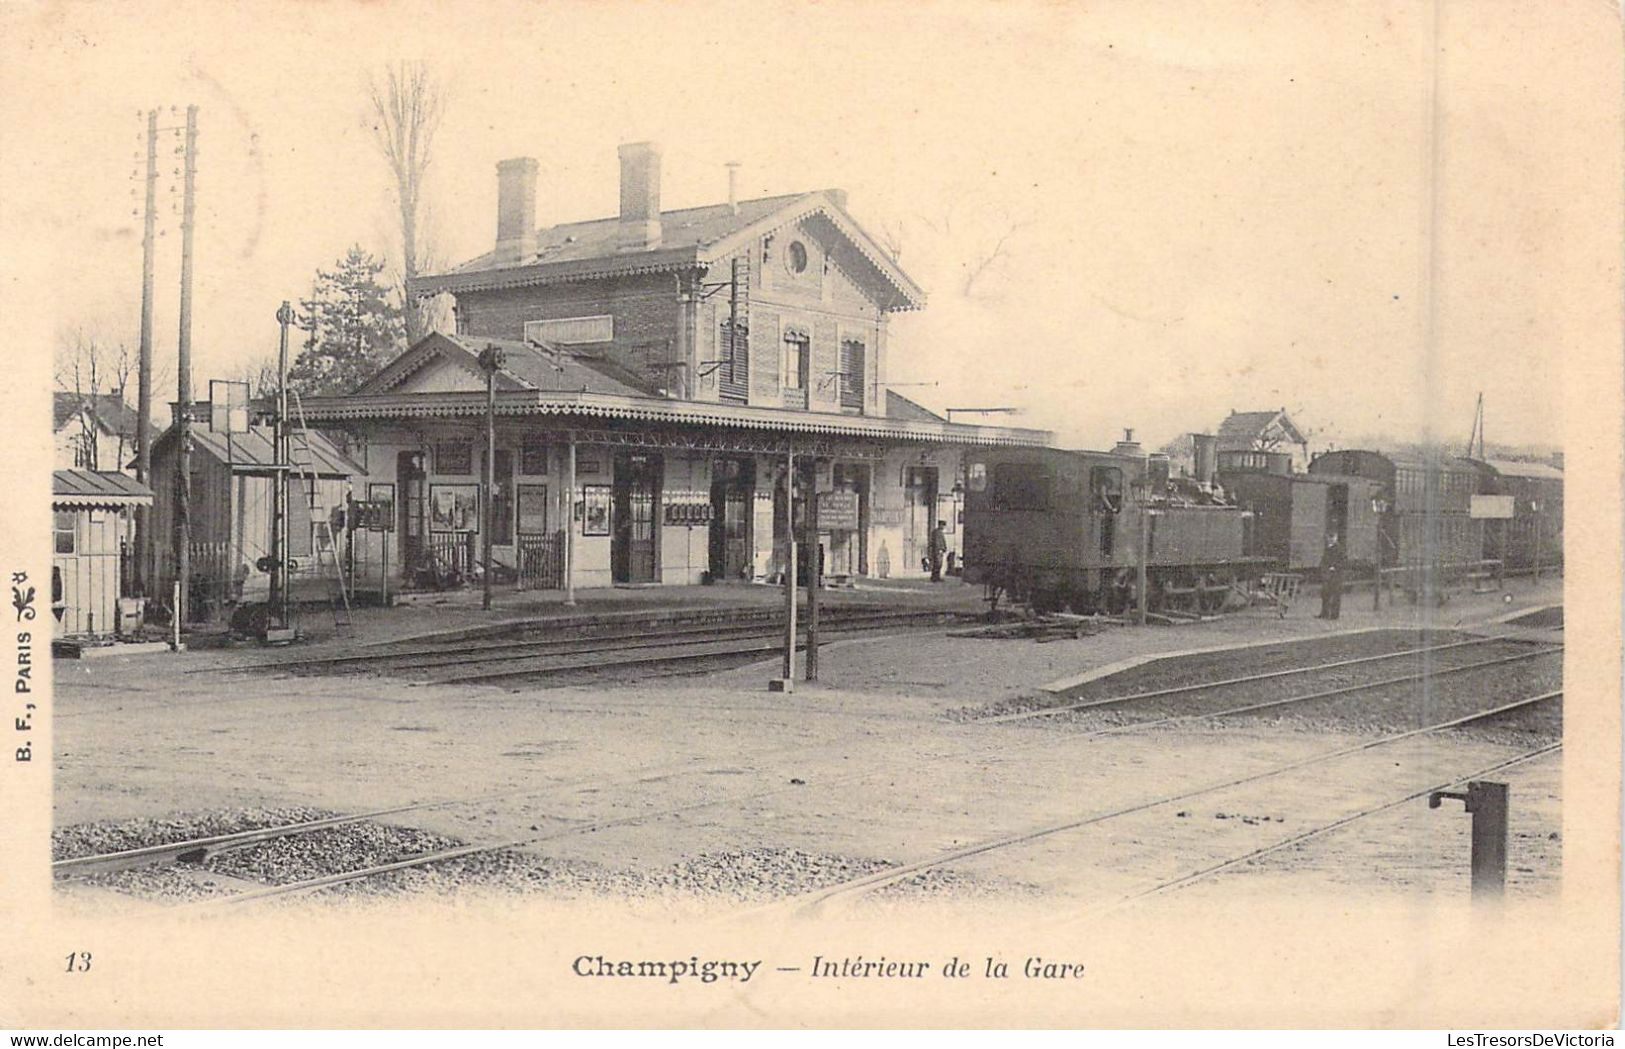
(1203, 873)
(816, 903)
(196, 849)
(698, 645)
(1424, 652)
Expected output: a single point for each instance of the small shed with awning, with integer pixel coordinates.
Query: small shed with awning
(92, 519)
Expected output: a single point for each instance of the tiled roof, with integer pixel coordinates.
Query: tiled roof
(556, 368)
(1245, 426)
(525, 367)
(83, 488)
(596, 238)
(690, 238)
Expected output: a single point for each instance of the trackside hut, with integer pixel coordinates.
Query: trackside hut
(92, 521)
(677, 359)
(233, 480)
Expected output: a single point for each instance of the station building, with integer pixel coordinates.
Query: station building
(660, 372)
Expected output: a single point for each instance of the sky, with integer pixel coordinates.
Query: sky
(1182, 208)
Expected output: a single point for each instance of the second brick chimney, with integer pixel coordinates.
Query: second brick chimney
(640, 196)
(516, 210)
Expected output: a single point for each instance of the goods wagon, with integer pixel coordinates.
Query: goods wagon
(1294, 512)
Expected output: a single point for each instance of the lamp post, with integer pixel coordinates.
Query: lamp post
(491, 359)
(279, 454)
(1142, 500)
(1534, 508)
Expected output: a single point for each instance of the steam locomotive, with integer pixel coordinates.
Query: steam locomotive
(1070, 529)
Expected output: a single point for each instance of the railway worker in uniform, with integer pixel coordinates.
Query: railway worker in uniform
(1331, 578)
(937, 549)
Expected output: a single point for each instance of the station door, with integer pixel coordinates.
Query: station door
(636, 509)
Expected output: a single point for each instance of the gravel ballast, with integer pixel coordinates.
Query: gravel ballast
(1198, 670)
(747, 874)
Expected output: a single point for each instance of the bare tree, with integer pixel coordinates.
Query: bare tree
(123, 363)
(406, 108)
(78, 372)
(971, 239)
(994, 250)
(260, 375)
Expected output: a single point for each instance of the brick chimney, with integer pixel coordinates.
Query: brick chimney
(640, 196)
(516, 210)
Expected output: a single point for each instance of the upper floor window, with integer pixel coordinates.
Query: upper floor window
(797, 360)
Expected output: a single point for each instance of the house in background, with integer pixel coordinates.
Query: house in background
(1269, 431)
(92, 431)
(92, 516)
(660, 371)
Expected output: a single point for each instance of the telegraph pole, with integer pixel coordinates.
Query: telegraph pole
(183, 472)
(144, 546)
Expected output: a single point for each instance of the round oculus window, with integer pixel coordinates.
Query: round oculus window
(797, 257)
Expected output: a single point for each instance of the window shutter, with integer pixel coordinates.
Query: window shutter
(853, 374)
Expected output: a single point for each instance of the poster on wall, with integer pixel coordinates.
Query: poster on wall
(454, 507)
(595, 519)
(532, 509)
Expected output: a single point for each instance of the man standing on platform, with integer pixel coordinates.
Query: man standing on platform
(938, 548)
(1331, 578)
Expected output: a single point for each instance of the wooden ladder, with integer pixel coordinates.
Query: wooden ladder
(303, 460)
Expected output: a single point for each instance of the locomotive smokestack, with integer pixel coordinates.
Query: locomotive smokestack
(1204, 457)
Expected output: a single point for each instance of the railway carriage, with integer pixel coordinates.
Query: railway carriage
(1533, 537)
(1064, 529)
(1427, 502)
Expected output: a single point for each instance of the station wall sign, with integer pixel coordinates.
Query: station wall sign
(838, 511)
